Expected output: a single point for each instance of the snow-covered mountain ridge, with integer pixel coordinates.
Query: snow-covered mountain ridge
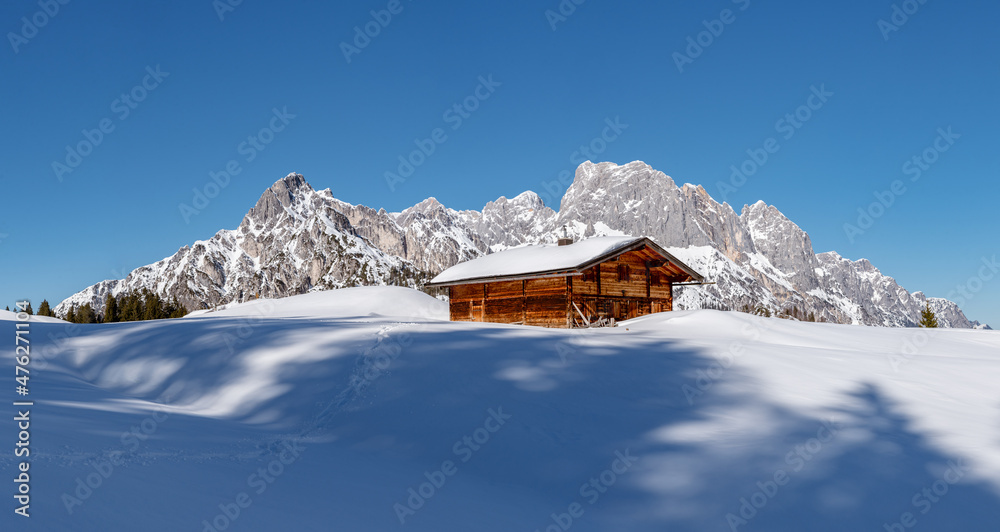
(297, 239)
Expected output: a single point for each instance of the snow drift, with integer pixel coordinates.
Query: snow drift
(343, 418)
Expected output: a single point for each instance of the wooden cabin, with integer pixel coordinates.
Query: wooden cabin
(595, 281)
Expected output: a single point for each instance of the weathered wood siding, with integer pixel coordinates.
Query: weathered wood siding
(623, 288)
(504, 302)
(633, 284)
(541, 302)
(546, 303)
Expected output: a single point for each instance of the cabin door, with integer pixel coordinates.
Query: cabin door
(477, 311)
(620, 310)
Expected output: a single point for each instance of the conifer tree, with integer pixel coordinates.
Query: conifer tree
(71, 314)
(152, 305)
(43, 309)
(176, 309)
(86, 314)
(927, 318)
(110, 309)
(130, 308)
(28, 310)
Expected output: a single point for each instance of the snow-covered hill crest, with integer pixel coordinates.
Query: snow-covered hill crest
(354, 399)
(296, 240)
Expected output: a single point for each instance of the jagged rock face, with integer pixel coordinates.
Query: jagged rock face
(869, 297)
(514, 222)
(785, 245)
(868, 294)
(637, 200)
(438, 237)
(296, 239)
(293, 240)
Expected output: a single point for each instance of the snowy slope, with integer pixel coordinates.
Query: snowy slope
(344, 303)
(7, 315)
(327, 420)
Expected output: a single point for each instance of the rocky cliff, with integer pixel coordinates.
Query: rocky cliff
(296, 239)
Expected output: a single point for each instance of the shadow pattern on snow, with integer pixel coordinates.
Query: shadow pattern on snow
(574, 400)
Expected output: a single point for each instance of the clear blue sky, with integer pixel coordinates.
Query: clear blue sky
(118, 209)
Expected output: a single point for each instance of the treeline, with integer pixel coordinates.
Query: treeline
(129, 306)
(43, 310)
(789, 313)
(927, 317)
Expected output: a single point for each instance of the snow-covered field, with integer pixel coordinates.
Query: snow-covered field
(364, 410)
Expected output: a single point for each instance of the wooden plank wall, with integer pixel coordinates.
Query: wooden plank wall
(546, 302)
(504, 302)
(541, 302)
(461, 298)
(620, 288)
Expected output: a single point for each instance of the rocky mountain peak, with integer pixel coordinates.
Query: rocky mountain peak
(784, 243)
(278, 199)
(296, 239)
(525, 203)
(290, 187)
(427, 206)
(528, 199)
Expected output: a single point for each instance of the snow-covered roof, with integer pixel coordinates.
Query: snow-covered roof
(547, 258)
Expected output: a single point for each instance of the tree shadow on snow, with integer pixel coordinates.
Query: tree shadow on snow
(575, 400)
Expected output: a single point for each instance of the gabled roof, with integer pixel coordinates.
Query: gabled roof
(550, 259)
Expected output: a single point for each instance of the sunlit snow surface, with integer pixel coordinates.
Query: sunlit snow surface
(376, 391)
